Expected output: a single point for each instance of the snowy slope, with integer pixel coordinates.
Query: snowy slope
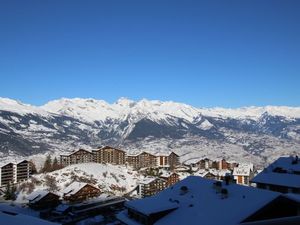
(109, 178)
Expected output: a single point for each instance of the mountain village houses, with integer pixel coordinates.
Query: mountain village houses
(214, 192)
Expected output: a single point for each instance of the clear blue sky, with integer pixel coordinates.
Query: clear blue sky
(204, 53)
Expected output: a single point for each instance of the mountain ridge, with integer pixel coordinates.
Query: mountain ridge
(252, 133)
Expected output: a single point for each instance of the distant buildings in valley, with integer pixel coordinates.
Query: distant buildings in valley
(116, 156)
(14, 172)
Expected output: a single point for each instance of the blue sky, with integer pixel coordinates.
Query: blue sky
(204, 53)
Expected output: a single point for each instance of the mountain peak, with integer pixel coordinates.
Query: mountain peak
(123, 101)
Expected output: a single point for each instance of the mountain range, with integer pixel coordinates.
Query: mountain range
(257, 134)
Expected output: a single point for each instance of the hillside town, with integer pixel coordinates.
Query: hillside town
(156, 188)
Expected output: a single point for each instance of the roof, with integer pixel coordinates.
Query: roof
(166, 153)
(78, 151)
(148, 180)
(166, 174)
(152, 206)
(280, 179)
(221, 173)
(243, 169)
(37, 195)
(107, 147)
(74, 187)
(201, 202)
(286, 177)
(20, 219)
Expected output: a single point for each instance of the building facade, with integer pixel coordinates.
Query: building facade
(80, 156)
(151, 186)
(110, 155)
(77, 192)
(170, 178)
(12, 173)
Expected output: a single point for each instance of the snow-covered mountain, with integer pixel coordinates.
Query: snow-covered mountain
(249, 133)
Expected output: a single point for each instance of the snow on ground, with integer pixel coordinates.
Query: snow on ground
(116, 180)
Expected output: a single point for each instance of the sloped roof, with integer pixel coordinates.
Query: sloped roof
(243, 169)
(74, 187)
(37, 195)
(202, 203)
(20, 219)
(287, 179)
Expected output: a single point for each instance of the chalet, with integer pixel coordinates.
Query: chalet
(283, 175)
(43, 200)
(202, 163)
(196, 200)
(210, 175)
(151, 186)
(110, 155)
(77, 191)
(80, 156)
(169, 177)
(213, 174)
(8, 174)
(243, 173)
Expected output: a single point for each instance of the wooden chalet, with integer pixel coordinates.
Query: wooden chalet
(110, 155)
(80, 156)
(170, 178)
(43, 200)
(78, 191)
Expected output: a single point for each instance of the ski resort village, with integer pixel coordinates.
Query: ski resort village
(107, 185)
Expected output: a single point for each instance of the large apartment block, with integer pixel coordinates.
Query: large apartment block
(116, 156)
(11, 173)
(80, 156)
(110, 155)
(151, 186)
(145, 159)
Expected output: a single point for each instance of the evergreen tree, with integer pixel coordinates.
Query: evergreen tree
(47, 165)
(10, 192)
(55, 165)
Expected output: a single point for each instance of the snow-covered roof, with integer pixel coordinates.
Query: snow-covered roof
(286, 177)
(221, 173)
(20, 219)
(243, 169)
(73, 188)
(281, 179)
(37, 195)
(15, 162)
(148, 180)
(201, 202)
(152, 206)
(166, 174)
